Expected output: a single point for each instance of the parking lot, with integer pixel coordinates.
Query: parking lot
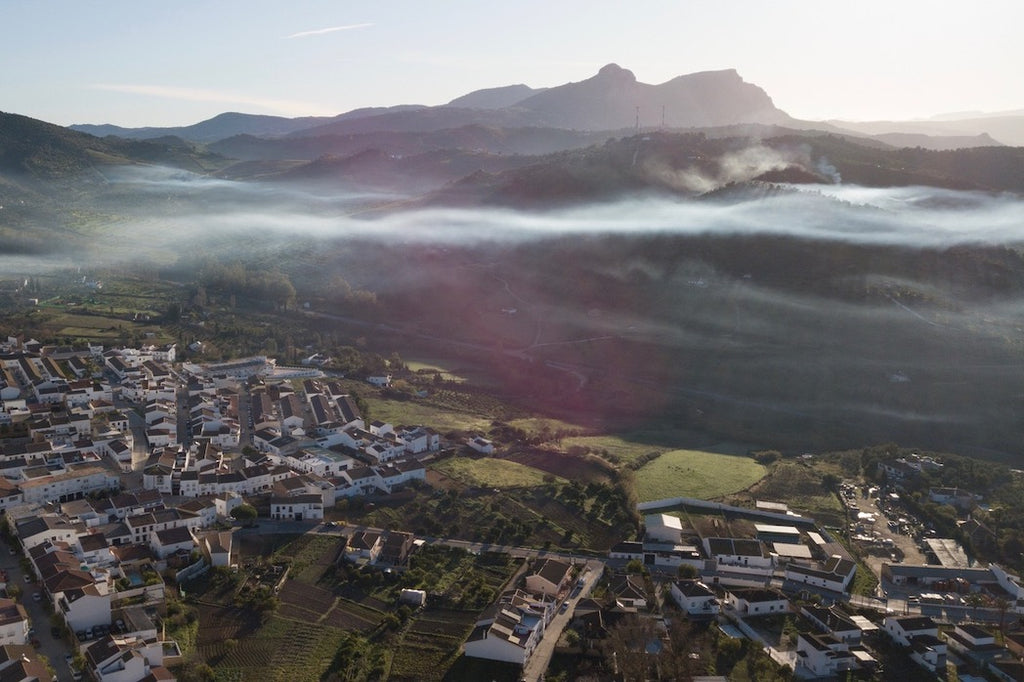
(892, 541)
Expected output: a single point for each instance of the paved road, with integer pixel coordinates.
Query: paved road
(535, 668)
(54, 649)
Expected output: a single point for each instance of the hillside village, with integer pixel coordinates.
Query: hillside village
(126, 474)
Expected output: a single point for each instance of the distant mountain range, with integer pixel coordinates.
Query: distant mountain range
(611, 100)
(1006, 128)
(515, 145)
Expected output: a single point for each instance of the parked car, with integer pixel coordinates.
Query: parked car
(37, 596)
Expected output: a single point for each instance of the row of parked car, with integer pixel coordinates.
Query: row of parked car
(97, 631)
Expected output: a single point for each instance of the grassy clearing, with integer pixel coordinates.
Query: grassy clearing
(618, 447)
(491, 473)
(96, 326)
(695, 473)
(626, 447)
(535, 425)
(446, 370)
(799, 484)
(409, 412)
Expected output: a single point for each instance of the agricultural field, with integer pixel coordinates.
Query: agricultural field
(310, 556)
(563, 465)
(695, 473)
(331, 618)
(490, 472)
(282, 649)
(431, 644)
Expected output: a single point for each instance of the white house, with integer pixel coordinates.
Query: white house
(747, 553)
(510, 631)
(755, 601)
(217, 547)
(364, 546)
(550, 578)
(832, 621)
(904, 628)
(823, 655)
(126, 659)
(168, 541)
(481, 445)
(305, 507)
(83, 607)
(834, 575)
(695, 598)
(920, 635)
(973, 642)
(35, 530)
(74, 481)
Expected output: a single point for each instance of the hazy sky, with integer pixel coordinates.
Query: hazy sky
(173, 63)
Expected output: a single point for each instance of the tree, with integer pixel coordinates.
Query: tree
(626, 647)
(245, 513)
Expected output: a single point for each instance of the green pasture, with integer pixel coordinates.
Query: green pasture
(490, 472)
(411, 412)
(536, 425)
(695, 473)
(619, 447)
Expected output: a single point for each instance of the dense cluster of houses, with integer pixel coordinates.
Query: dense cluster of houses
(85, 411)
(100, 564)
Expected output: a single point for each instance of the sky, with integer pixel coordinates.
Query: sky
(134, 63)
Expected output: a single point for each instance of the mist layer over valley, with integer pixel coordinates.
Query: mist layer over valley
(795, 316)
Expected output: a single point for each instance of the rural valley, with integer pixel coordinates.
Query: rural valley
(606, 380)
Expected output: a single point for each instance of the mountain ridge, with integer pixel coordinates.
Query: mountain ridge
(689, 100)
